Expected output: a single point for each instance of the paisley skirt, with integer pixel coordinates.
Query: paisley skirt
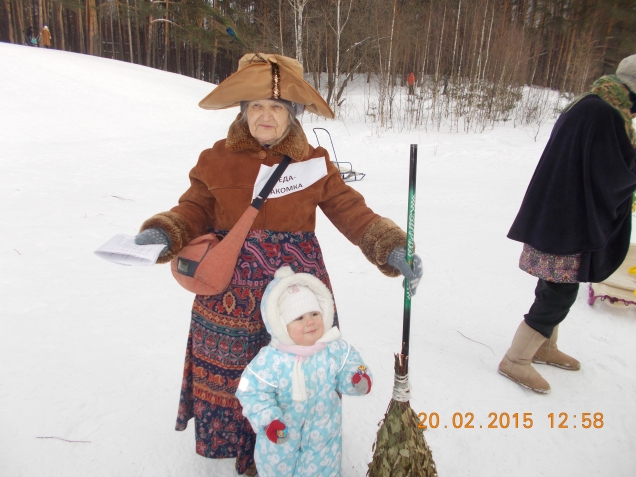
(226, 332)
(552, 268)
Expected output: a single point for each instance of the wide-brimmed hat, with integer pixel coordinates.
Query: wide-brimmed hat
(266, 76)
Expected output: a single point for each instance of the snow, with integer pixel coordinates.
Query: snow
(93, 351)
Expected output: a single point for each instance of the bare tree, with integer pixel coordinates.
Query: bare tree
(298, 6)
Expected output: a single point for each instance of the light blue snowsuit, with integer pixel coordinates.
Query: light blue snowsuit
(314, 445)
(314, 426)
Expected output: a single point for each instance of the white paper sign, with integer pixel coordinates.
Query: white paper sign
(297, 176)
(123, 250)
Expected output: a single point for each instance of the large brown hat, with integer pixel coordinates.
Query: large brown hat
(267, 76)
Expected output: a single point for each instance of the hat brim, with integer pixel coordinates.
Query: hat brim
(254, 82)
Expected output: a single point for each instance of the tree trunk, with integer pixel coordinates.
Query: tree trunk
(92, 30)
(386, 80)
(80, 44)
(166, 39)
(112, 33)
(38, 25)
(177, 51)
(19, 22)
(298, 7)
(280, 25)
(459, 11)
(59, 39)
(7, 12)
(137, 35)
(215, 52)
(492, 21)
(149, 42)
(130, 39)
(339, 29)
(439, 49)
(120, 32)
(481, 41)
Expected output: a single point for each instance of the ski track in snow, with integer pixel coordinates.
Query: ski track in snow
(93, 351)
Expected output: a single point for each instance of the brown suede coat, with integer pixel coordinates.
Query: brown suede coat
(221, 189)
(46, 37)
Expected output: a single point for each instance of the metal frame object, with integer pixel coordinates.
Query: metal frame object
(346, 168)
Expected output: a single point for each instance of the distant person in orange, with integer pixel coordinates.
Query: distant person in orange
(410, 80)
(45, 37)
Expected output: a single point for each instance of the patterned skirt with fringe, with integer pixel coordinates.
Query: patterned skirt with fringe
(226, 332)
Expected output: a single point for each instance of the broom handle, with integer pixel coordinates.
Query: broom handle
(410, 248)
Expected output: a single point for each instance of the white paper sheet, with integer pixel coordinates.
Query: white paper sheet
(123, 250)
(296, 177)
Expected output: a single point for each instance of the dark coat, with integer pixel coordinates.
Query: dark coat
(580, 197)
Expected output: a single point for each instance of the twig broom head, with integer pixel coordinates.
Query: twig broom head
(400, 449)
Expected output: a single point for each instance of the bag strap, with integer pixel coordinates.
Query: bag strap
(261, 198)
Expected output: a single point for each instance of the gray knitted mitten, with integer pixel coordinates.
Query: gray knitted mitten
(154, 236)
(397, 259)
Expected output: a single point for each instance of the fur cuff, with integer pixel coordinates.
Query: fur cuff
(175, 227)
(382, 236)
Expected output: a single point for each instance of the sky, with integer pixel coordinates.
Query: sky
(92, 352)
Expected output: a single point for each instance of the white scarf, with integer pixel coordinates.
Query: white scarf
(299, 390)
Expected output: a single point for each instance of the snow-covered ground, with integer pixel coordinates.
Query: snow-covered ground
(92, 351)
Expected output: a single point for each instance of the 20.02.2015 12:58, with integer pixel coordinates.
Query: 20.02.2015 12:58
(505, 420)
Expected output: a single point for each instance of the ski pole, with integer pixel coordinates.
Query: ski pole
(410, 247)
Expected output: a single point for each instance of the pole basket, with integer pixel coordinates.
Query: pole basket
(400, 449)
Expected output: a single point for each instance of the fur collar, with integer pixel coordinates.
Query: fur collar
(294, 143)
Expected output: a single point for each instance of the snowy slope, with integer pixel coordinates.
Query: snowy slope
(92, 351)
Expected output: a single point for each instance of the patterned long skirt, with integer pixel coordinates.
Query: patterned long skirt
(549, 267)
(226, 332)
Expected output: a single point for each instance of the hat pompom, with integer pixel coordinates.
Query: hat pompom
(283, 272)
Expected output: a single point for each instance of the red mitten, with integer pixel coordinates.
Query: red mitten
(361, 380)
(276, 432)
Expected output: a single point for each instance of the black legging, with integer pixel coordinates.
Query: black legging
(551, 305)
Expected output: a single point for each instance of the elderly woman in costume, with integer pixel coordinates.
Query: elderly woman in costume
(226, 330)
(575, 219)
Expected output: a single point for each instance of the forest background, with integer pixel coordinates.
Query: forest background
(476, 61)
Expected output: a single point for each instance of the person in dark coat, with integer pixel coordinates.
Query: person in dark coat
(30, 39)
(575, 219)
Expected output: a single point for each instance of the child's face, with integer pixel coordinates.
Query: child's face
(307, 329)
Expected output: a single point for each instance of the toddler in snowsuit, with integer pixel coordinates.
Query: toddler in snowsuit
(289, 391)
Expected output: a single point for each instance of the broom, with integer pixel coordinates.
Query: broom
(400, 449)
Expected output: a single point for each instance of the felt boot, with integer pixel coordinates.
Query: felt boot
(516, 364)
(548, 353)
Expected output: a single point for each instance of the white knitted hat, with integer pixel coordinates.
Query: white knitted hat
(295, 301)
(626, 72)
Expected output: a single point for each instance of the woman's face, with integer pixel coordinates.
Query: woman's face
(267, 119)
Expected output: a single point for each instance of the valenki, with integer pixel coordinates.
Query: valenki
(587, 168)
